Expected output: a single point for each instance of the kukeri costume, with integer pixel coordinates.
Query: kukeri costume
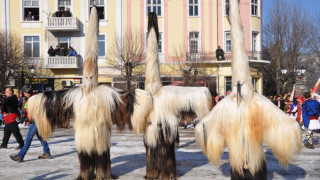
(244, 120)
(93, 108)
(157, 109)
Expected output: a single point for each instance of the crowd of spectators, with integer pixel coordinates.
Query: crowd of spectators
(62, 51)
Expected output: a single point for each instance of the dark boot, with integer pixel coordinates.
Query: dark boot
(45, 156)
(16, 158)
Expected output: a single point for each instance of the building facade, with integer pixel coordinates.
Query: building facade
(191, 27)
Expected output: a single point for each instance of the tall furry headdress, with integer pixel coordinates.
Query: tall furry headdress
(90, 66)
(153, 82)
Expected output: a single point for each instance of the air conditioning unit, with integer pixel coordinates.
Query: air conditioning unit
(66, 83)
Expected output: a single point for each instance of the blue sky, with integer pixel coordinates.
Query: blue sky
(313, 6)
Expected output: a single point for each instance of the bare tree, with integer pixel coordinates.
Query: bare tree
(313, 59)
(285, 37)
(187, 64)
(12, 55)
(127, 55)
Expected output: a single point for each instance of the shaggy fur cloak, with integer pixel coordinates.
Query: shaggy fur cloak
(244, 120)
(94, 109)
(158, 108)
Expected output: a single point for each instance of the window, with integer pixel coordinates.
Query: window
(193, 7)
(154, 6)
(31, 46)
(193, 42)
(254, 41)
(255, 84)
(160, 43)
(102, 45)
(31, 10)
(160, 48)
(228, 84)
(100, 7)
(254, 7)
(63, 4)
(228, 41)
(64, 42)
(226, 10)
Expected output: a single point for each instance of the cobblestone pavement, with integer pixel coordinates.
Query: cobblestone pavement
(128, 159)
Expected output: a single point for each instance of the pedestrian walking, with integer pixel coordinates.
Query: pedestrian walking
(31, 132)
(310, 115)
(10, 114)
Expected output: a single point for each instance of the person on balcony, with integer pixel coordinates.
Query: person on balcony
(59, 13)
(220, 54)
(72, 52)
(51, 51)
(67, 13)
(63, 51)
(57, 51)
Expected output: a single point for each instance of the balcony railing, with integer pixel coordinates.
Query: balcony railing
(201, 57)
(63, 24)
(62, 62)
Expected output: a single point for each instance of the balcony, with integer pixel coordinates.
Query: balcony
(210, 57)
(63, 24)
(62, 62)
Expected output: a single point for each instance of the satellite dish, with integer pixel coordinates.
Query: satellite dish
(48, 11)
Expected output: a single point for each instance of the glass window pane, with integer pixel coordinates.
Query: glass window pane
(101, 37)
(154, 9)
(154, 1)
(149, 9)
(196, 1)
(190, 1)
(27, 3)
(102, 2)
(159, 1)
(159, 10)
(28, 38)
(36, 49)
(196, 10)
(149, 1)
(190, 10)
(101, 51)
(35, 3)
(27, 49)
(35, 38)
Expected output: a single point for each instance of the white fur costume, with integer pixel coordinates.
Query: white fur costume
(244, 120)
(94, 109)
(158, 108)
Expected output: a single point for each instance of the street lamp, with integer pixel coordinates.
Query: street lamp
(301, 72)
(13, 70)
(32, 70)
(284, 71)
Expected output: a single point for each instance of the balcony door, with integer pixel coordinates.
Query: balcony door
(63, 4)
(64, 42)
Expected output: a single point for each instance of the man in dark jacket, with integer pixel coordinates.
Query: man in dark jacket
(10, 114)
(63, 51)
(220, 54)
(59, 13)
(51, 51)
(67, 13)
(57, 51)
(280, 103)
